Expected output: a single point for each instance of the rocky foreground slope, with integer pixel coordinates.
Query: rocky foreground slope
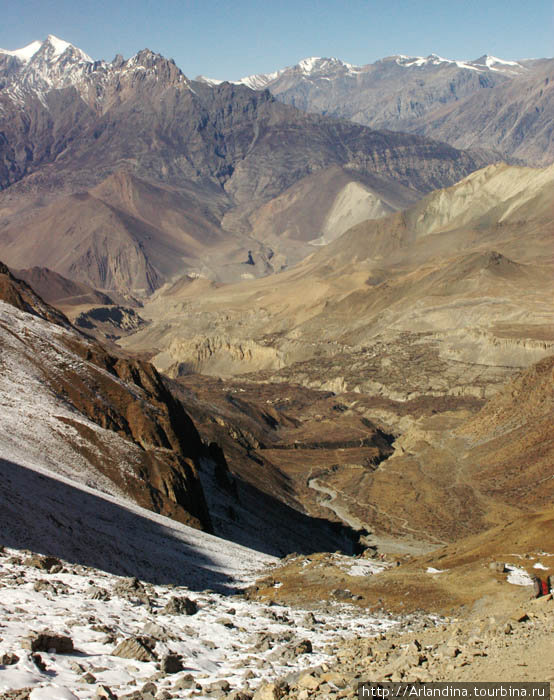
(122, 430)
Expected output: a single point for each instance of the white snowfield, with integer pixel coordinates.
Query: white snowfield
(219, 642)
(518, 576)
(26, 53)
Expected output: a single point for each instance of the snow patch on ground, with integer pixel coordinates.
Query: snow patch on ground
(518, 576)
(36, 423)
(365, 567)
(219, 642)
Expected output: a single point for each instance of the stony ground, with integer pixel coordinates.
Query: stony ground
(71, 632)
(506, 645)
(68, 631)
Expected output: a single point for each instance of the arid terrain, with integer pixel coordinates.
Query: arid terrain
(276, 387)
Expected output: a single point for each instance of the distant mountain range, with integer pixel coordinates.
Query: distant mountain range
(488, 102)
(123, 175)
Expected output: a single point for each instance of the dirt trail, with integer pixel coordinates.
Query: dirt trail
(339, 510)
(386, 543)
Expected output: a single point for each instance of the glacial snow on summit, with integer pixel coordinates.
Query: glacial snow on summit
(26, 53)
(313, 66)
(482, 64)
(317, 66)
(52, 45)
(258, 82)
(42, 66)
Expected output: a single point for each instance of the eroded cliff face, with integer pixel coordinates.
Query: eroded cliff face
(219, 355)
(127, 433)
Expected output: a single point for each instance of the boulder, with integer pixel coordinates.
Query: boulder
(308, 681)
(180, 606)
(270, 691)
(222, 685)
(138, 648)
(104, 693)
(225, 622)
(171, 663)
(151, 629)
(97, 593)
(48, 641)
(131, 589)
(9, 659)
(44, 563)
(303, 647)
(185, 683)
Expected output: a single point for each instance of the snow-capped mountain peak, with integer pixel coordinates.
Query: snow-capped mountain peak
(432, 59)
(24, 54)
(58, 45)
(51, 48)
(499, 64)
(484, 63)
(329, 68)
(307, 65)
(41, 66)
(311, 67)
(260, 81)
(54, 64)
(316, 64)
(212, 82)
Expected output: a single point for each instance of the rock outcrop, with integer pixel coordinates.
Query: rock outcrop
(114, 412)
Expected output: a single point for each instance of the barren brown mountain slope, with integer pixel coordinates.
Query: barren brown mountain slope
(446, 479)
(514, 118)
(278, 437)
(460, 580)
(476, 257)
(127, 174)
(56, 289)
(504, 106)
(413, 322)
(483, 488)
(111, 422)
(123, 234)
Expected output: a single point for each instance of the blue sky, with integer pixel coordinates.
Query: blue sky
(230, 39)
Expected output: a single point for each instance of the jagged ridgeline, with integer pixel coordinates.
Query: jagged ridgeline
(488, 102)
(124, 175)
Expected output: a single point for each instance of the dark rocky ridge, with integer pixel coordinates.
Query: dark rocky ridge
(56, 289)
(149, 448)
(127, 397)
(145, 112)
